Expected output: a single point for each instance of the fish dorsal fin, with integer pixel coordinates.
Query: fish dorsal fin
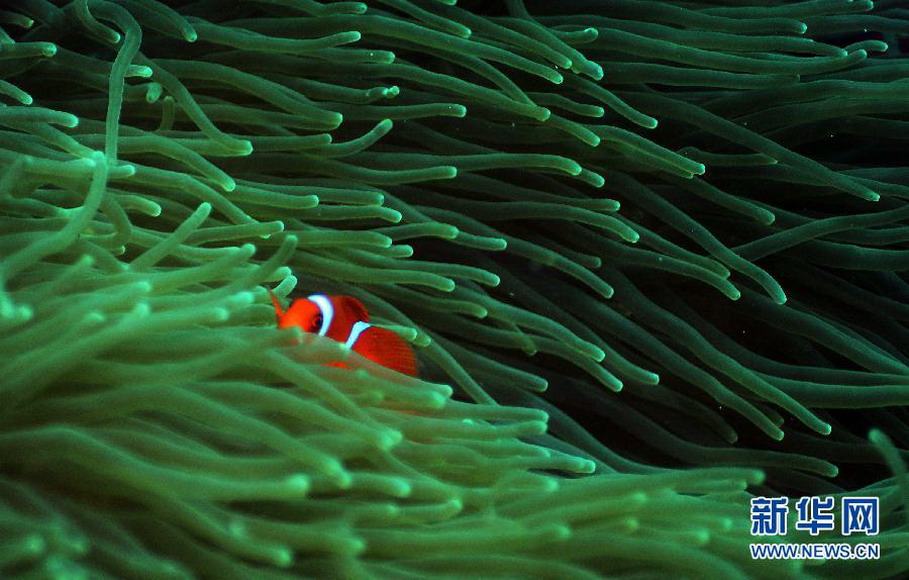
(353, 306)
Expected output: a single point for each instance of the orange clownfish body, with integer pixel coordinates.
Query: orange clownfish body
(345, 319)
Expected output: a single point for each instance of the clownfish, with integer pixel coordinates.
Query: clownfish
(345, 319)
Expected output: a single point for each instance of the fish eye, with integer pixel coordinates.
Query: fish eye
(316, 323)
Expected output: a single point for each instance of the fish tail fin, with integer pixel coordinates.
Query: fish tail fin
(387, 348)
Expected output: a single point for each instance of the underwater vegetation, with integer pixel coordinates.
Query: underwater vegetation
(649, 255)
